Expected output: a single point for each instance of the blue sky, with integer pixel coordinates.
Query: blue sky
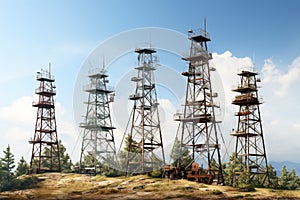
(34, 33)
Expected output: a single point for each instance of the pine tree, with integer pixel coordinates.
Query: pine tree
(273, 177)
(234, 166)
(89, 160)
(288, 180)
(22, 167)
(284, 179)
(7, 164)
(293, 182)
(65, 161)
(182, 153)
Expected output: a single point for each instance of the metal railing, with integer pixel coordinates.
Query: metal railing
(97, 71)
(42, 103)
(244, 86)
(46, 90)
(135, 96)
(200, 31)
(44, 74)
(97, 87)
(93, 121)
(147, 66)
(178, 116)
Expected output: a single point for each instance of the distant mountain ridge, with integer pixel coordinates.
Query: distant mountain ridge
(289, 166)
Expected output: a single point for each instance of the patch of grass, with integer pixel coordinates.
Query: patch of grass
(156, 185)
(108, 191)
(184, 188)
(20, 183)
(137, 177)
(216, 192)
(202, 185)
(160, 186)
(115, 184)
(99, 178)
(246, 188)
(178, 195)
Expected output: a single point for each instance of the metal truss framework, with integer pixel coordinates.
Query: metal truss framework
(45, 149)
(144, 133)
(250, 152)
(198, 126)
(98, 144)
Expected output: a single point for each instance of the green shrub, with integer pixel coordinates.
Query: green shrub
(243, 187)
(217, 192)
(156, 174)
(19, 183)
(28, 182)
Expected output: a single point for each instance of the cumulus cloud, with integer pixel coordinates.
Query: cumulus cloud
(280, 110)
(20, 111)
(18, 121)
(282, 81)
(228, 66)
(169, 127)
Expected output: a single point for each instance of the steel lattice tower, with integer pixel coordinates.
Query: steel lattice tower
(197, 130)
(144, 134)
(98, 144)
(45, 149)
(250, 152)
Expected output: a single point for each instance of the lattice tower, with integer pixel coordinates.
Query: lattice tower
(197, 130)
(98, 143)
(45, 149)
(250, 154)
(145, 149)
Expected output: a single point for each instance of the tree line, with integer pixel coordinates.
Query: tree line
(288, 180)
(12, 174)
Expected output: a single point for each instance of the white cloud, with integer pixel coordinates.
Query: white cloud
(281, 81)
(18, 126)
(228, 66)
(168, 126)
(19, 112)
(296, 127)
(280, 111)
(64, 121)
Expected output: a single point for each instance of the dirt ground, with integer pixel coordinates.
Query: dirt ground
(76, 186)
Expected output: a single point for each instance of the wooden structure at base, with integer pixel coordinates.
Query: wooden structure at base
(195, 174)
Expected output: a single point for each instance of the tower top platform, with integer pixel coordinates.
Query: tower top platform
(247, 73)
(199, 35)
(97, 73)
(144, 50)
